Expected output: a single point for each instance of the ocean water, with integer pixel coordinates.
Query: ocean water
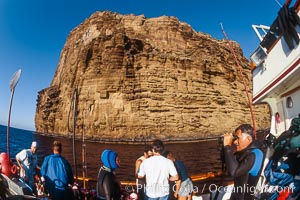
(199, 157)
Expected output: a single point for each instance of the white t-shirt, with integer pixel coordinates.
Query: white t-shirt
(28, 162)
(157, 170)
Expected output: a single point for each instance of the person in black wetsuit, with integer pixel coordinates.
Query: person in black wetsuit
(108, 187)
(244, 159)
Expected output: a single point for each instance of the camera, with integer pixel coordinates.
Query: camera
(221, 139)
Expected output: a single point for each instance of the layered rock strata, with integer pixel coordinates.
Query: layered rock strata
(141, 78)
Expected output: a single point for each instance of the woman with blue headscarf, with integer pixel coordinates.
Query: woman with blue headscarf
(108, 187)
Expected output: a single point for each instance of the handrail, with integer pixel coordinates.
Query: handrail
(195, 177)
(263, 28)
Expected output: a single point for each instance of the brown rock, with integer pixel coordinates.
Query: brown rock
(140, 79)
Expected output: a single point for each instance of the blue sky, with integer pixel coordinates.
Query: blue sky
(33, 33)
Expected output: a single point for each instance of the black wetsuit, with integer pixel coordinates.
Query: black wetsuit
(245, 168)
(108, 186)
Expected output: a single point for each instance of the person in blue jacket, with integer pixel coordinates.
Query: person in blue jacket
(56, 173)
(183, 188)
(244, 159)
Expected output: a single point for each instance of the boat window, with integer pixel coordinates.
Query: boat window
(258, 56)
(289, 102)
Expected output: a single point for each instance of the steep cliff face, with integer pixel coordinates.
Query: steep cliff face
(140, 79)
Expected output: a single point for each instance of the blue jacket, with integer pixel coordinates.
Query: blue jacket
(57, 173)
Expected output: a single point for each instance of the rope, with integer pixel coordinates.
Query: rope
(243, 78)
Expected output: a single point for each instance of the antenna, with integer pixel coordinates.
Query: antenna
(278, 3)
(13, 83)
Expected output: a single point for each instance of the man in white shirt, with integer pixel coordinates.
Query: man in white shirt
(158, 171)
(27, 160)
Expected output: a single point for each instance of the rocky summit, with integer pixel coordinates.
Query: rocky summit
(142, 78)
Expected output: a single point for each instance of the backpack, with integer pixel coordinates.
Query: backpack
(283, 168)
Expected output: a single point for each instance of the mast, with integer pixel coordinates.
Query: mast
(84, 165)
(243, 78)
(74, 129)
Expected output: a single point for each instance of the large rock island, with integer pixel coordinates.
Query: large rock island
(141, 78)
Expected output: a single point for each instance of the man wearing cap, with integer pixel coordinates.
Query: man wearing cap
(244, 160)
(108, 187)
(28, 163)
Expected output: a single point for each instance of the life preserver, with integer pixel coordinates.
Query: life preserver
(288, 2)
(13, 169)
(7, 167)
(3, 157)
(296, 5)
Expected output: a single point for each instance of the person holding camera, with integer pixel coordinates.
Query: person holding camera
(244, 160)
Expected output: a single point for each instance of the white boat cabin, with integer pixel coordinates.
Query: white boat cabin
(276, 76)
